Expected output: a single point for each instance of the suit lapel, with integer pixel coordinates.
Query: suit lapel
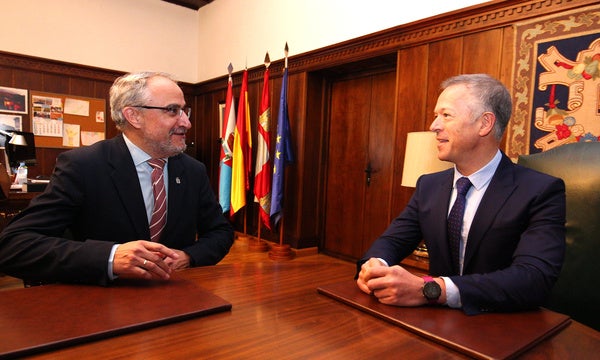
(498, 192)
(441, 195)
(125, 179)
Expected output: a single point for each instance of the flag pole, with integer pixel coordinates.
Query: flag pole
(262, 173)
(259, 228)
(240, 161)
(225, 161)
(258, 245)
(245, 191)
(282, 251)
(281, 232)
(243, 236)
(262, 183)
(245, 220)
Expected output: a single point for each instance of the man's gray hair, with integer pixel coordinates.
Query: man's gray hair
(130, 90)
(493, 95)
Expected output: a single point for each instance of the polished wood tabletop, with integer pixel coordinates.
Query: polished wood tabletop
(277, 313)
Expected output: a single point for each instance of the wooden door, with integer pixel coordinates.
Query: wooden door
(359, 167)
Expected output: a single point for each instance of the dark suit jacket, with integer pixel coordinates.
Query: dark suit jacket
(94, 196)
(515, 247)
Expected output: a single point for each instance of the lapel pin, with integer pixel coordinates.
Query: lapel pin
(177, 180)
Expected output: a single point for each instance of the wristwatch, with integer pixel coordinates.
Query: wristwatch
(431, 290)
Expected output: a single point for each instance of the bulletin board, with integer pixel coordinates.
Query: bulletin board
(66, 121)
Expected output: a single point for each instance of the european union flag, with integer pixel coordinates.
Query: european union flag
(283, 153)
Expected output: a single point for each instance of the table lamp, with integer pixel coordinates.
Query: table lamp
(15, 139)
(421, 158)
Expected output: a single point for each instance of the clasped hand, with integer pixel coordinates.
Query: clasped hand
(147, 260)
(392, 285)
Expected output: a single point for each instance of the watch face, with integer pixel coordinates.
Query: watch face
(431, 290)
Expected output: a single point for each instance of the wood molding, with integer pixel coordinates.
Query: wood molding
(31, 63)
(461, 22)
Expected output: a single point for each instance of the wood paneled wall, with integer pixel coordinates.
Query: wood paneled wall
(476, 39)
(423, 53)
(38, 74)
(55, 77)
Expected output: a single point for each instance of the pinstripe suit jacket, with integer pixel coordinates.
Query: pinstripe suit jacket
(94, 196)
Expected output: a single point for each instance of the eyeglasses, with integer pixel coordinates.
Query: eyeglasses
(172, 110)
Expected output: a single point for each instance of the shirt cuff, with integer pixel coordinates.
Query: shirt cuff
(383, 262)
(452, 293)
(111, 258)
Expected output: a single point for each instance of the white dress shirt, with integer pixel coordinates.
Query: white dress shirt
(480, 180)
(144, 172)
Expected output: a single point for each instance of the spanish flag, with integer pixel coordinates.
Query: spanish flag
(242, 151)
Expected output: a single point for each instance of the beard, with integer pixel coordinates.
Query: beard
(173, 145)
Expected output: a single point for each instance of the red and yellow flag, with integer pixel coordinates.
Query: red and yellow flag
(262, 173)
(242, 151)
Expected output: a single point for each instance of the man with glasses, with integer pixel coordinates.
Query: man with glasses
(134, 206)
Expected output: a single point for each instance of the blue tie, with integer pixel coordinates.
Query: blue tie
(455, 220)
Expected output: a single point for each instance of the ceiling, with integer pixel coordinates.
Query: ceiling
(190, 4)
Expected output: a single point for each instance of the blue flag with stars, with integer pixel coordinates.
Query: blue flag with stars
(283, 153)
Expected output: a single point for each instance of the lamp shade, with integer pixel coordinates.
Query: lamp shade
(18, 139)
(15, 139)
(421, 157)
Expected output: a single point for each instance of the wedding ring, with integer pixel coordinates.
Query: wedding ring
(145, 261)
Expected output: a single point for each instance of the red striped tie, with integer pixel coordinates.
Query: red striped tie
(159, 214)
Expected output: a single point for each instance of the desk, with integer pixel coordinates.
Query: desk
(278, 314)
(13, 204)
(22, 195)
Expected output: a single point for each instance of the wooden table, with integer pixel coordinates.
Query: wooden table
(278, 314)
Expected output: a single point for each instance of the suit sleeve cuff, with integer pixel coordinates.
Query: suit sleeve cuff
(383, 262)
(452, 293)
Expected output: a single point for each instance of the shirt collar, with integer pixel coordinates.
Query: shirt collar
(483, 176)
(138, 155)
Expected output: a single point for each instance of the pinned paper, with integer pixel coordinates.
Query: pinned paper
(77, 107)
(71, 135)
(90, 137)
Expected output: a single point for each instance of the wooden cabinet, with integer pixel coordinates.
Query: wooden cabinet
(13, 204)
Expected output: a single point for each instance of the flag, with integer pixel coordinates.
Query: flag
(283, 152)
(242, 151)
(262, 173)
(227, 148)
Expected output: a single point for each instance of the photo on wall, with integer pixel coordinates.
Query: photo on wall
(13, 100)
